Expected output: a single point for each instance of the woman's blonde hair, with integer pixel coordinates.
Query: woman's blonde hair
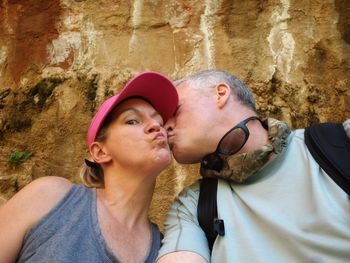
(92, 177)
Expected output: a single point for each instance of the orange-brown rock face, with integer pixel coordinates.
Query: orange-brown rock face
(60, 59)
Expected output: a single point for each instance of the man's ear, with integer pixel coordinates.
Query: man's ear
(98, 153)
(222, 92)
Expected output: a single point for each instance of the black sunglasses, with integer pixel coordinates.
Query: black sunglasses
(230, 143)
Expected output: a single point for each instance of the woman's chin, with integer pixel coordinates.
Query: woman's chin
(164, 158)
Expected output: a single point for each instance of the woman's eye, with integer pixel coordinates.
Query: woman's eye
(132, 122)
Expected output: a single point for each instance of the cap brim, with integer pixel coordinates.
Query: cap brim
(155, 88)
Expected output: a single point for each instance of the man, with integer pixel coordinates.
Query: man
(276, 202)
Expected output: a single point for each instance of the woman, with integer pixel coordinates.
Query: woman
(53, 220)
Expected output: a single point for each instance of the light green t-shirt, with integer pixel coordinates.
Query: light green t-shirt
(291, 211)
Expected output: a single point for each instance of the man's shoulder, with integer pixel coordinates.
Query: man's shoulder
(296, 137)
(298, 133)
(193, 187)
(190, 192)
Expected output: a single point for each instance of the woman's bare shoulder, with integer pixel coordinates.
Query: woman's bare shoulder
(52, 185)
(51, 188)
(37, 198)
(25, 209)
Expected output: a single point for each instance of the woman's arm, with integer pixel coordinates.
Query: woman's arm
(25, 209)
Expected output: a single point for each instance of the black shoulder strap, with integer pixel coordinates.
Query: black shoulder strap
(207, 211)
(330, 147)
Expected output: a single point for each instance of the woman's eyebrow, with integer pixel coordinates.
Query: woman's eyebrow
(121, 112)
(155, 114)
(137, 111)
(130, 109)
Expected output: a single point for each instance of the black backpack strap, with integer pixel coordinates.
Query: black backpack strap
(207, 211)
(330, 147)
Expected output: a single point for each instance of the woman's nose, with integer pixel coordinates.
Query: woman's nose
(153, 126)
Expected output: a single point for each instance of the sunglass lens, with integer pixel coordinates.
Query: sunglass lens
(233, 141)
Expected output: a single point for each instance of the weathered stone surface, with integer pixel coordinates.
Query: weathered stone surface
(60, 59)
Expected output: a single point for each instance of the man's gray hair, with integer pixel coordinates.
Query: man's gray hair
(210, 78)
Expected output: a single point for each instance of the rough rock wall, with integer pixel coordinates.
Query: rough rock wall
(60, 59)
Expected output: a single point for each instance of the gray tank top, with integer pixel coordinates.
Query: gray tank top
(70, 233)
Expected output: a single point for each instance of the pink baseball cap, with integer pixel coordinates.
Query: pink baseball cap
(152, 86)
